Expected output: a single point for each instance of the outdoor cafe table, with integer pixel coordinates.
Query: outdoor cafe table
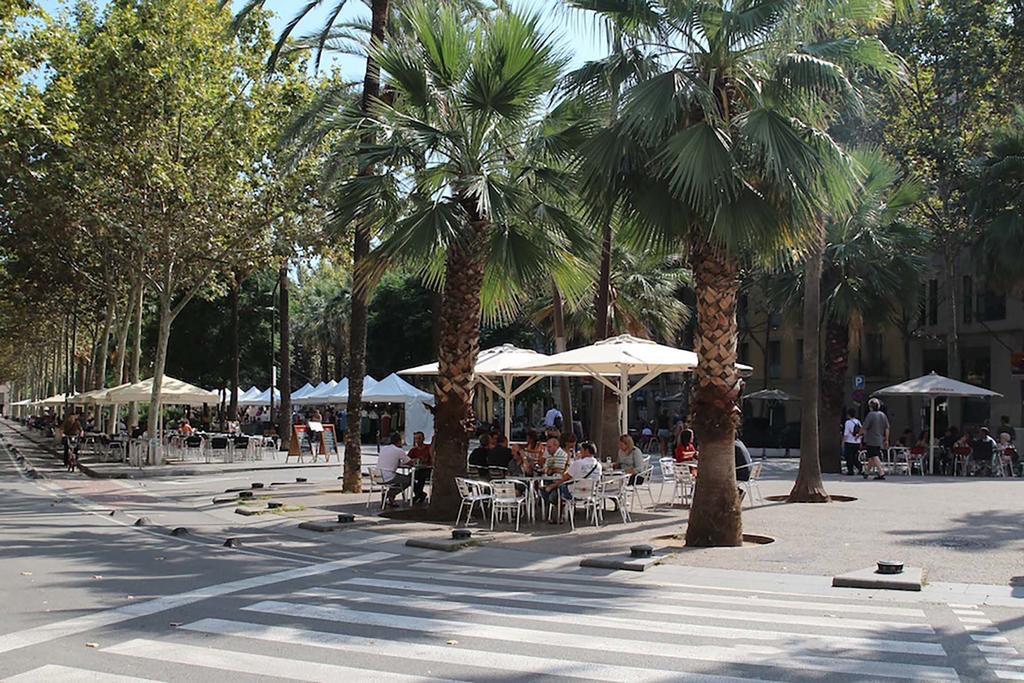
(533, 484)
(411, 470)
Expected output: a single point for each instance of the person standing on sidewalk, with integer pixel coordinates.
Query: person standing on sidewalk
(876, 437)
(853, 433)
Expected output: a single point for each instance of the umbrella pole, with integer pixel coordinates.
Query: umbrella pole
(931, 438)
(507, 395)
(623, 401)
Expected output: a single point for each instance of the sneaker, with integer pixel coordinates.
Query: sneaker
(880, 477)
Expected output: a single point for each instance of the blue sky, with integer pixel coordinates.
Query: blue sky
(579, 37)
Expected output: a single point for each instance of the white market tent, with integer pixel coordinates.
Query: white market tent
(55, 400)
(497, 368)
(315, 397)
(933, 386)
(623, 356)
(260, 398)
(172, 392)
(339, 394)
(394, 389)
(306, 390)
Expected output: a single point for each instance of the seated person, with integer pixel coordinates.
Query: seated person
(685, 450)
(500, 455)
(478, 456)
(569, 444)
(420, 454)
(185, 428)
(983, 448)
(907, 438)
(586, 466)
(521, 465)
(556, 460)
(392, 457)
(630, 460)
(1008, 457)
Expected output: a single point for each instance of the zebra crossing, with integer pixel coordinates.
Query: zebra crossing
(428, 621)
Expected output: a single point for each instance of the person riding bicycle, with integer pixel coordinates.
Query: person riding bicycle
(72, 429)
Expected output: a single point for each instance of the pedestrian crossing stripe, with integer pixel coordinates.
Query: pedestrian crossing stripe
(624, 624)
(70, 674)
(463, 655)
(662, 593)
(746, 654)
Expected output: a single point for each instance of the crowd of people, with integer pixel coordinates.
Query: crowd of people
(983, 454)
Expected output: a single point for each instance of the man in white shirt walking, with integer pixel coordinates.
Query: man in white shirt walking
(852, 435)
(392, 457)
(552, 417)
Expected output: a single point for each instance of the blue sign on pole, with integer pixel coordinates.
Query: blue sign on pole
(858, 382)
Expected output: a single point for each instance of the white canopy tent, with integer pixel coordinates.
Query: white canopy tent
(933, 386)
(304, 391)
(172, 392)
(339, 394)
(315, 397)
(623, 356)
(497, 368)
(55, 400)
(261, 398)
(394, 389)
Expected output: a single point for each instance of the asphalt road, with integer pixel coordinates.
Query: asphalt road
(87, 596)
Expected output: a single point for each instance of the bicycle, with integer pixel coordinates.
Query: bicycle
(71, 447)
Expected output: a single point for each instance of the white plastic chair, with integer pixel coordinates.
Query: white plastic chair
(586, 494)
(471, 492)
(753, 485)
(633, 490)
(506, 498)
(683, 483)
(668, 474)
(613, 488)
(377, 485)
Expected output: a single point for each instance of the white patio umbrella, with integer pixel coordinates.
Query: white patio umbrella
(172, 392)
(771, 395)
(497, 368)
(933, 386)
(623, 356)
(55, 400)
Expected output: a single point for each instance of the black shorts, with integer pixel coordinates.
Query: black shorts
(874, 452)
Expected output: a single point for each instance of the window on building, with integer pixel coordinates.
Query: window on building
(742, 353)
(775, 359)
(968, 299)
(933, 302)
(799, 357)
(873, 358)
(991, 305)
(922, 305)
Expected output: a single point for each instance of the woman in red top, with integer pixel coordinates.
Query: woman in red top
(686, 450)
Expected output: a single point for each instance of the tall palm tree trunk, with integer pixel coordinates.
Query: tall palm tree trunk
(284, 420)
(602, 300)
(715, 518)
(453, 392)
(353, 477)
(809, 487)
(833, 383)
(235, 360)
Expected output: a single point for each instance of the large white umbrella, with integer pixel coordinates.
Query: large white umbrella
(172, 392)
(497, 368)
(55, 400)
(933, 386)
(623, 356)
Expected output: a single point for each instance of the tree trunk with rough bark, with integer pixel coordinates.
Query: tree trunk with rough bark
(602, 299)
(953, 369)
(809, 488)
(353, 477)
(560, 346)
(235, 360)
(159, 363)
(124, 326)
(715, 518)
(133, 376)
(833, 392)
(453, 392)
(284, 419)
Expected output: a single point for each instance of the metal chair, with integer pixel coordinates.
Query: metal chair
(586, 494)
(219, 445)
(613, 488)
(683, 484)
(377, 485)
(668, 474)
(506, 498)
(194, 446)
(471, 492)
(753, 485)
(243, 445)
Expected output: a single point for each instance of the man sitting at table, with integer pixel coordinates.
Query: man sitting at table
(420, 454)
(586, 466)
(555, 463)
(500, 455)
(392, 457)
(478, 456)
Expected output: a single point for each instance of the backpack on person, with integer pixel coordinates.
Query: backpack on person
(857, 429)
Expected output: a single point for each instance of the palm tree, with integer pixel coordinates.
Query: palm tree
(871, 265)
(461, 125)
(725, 152)
(1000, 201)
